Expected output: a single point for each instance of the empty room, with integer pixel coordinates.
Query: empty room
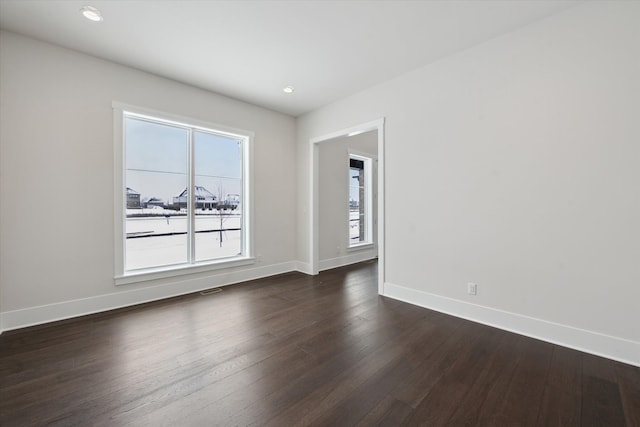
(337, 213)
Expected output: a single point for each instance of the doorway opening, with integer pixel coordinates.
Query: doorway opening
(345, 252)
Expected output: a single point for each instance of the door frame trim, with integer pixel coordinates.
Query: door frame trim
(377, 125)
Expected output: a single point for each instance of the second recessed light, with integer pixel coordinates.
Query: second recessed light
(91, 13)
(288, 89)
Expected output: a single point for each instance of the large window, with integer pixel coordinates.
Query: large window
(185, 195)
(360, 201)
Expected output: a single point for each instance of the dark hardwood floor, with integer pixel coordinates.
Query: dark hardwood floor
(299, 350)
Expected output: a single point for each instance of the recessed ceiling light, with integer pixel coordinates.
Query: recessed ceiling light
(288, 89)
(91, 13)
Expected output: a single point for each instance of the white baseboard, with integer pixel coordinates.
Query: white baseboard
(364, 255)
(611, 347)
(303, 267)
(67, 309)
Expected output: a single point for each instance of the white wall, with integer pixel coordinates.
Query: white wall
(333, 194)
(56, 191)
(521, 158)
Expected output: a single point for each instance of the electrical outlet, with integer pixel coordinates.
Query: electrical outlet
(472, 288)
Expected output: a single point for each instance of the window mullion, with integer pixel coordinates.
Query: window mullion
(191, 204)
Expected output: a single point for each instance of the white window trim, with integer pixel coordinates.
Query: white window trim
(121, 277)
(368, 160)
(361, 246)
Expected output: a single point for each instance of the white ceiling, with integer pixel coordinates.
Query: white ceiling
(250, 50)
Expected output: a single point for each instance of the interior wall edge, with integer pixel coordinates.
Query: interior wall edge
(303, 267)
(610, 347)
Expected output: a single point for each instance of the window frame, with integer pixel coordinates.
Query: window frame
(368, 160)
(121, 276)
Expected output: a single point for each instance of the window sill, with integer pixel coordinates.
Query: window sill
(361, 247)
(165, 272)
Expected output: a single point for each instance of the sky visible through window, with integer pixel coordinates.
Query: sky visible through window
(157, 160)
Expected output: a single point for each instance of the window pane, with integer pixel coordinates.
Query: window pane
(156, 161)
(218, 181)
(355, 204)
(359, 227)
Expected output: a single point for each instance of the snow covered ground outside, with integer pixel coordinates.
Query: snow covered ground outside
(178, 224)
(354, 226)
(155, 249)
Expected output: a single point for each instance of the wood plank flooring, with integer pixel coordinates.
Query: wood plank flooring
(299, 350)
